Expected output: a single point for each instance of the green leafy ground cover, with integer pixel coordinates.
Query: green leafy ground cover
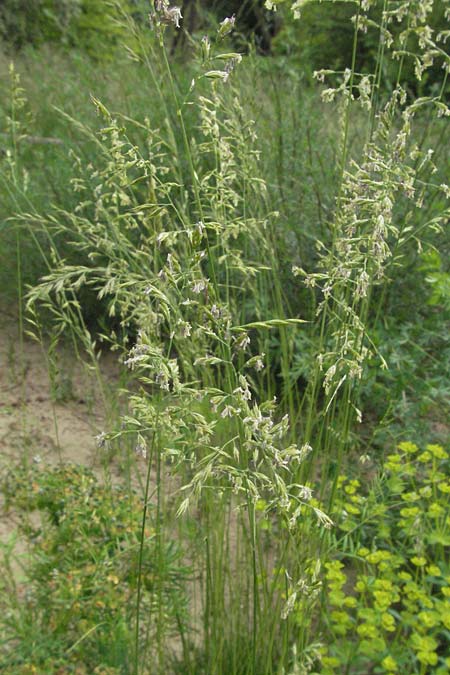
(269, 260)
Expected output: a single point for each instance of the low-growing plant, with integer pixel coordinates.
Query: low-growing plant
(73, 605)
(180, 244)
(387, 594)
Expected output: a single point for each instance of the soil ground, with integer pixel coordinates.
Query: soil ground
(48, 413)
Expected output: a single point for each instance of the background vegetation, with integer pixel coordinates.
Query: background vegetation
(251, 212)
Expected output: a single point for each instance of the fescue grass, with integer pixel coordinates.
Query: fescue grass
(248, 272)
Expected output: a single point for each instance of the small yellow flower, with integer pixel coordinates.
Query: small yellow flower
(437, 451)
(342, 622)
(350, 508)
(418, 561)
(409, 512)
(427, 658)
(434, 570)
(407, 446)
(426, 491)
(378, 556)
(389, 664)
(410, 497)
(382, 600)
(435, 510)
(388, 622)
(367, 630)
(429, 619)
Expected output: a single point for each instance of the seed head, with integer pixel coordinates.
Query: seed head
(165, 15)
(226, 26)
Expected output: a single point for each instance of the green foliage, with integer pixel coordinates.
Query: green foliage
(437, 278)
(81, 574)
(320, 35)
(414, 393)
(38, 156)
(387, 597)
(91, 25)
(259, 290)
(320, 39)
(23, 22)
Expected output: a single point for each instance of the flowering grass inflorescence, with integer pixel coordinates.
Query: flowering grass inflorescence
(178, 233)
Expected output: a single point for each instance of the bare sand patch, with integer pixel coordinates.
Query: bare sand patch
(49, 412)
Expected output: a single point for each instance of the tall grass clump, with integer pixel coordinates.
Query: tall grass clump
(176, 253)
(179, 234)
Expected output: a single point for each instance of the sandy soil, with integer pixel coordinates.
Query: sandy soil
(51, 418)
(47, 418)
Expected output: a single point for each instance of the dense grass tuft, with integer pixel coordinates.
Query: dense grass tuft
(268, 261)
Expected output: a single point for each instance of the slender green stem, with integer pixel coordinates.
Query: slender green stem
(141, 549)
